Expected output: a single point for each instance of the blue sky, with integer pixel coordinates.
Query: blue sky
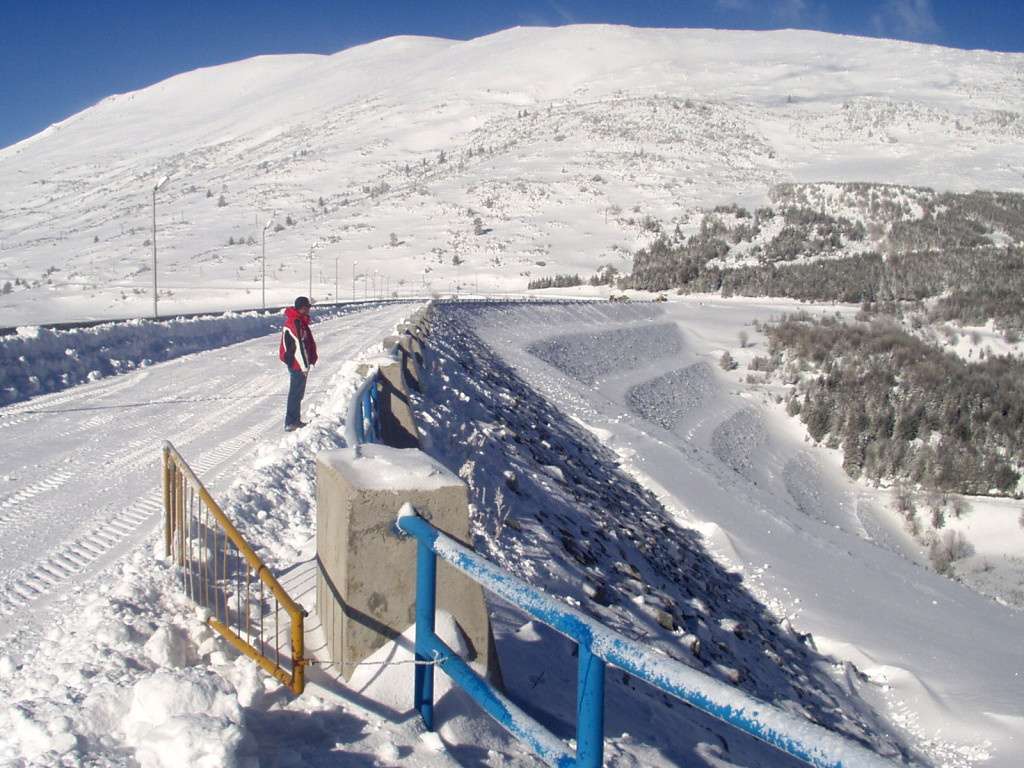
(58, 57)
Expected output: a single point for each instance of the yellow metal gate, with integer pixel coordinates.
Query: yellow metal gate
(221, 573)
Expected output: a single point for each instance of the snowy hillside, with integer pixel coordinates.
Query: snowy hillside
(416, 166)
(610, 457)
(818, 559)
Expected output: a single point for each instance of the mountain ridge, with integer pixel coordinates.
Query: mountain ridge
(420, 164)
(378, 52)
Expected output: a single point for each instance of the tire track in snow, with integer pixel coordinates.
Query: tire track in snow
(100, 494)
(21, 495)
(51, 574)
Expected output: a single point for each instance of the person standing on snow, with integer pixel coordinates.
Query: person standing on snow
(298, 352)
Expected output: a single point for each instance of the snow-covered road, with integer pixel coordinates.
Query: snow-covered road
(80, 468)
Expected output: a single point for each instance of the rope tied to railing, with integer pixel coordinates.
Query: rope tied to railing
(415, 662)
(439, 658)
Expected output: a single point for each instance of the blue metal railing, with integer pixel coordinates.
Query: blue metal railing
(598, 645)
(363, 422)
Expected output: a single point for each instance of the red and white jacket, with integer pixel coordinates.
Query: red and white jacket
(298, 349)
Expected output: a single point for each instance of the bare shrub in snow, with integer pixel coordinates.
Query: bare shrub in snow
(947, 549)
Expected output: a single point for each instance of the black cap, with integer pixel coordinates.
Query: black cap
(302, 302)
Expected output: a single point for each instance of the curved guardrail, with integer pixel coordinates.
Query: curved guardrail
(597, 645)
(362, 424)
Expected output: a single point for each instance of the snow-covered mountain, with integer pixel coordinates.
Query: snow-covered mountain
(426, 166)
(417, 167)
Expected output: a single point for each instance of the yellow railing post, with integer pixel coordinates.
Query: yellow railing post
(168, 527)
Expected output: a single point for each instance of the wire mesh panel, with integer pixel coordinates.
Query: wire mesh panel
(222, 574)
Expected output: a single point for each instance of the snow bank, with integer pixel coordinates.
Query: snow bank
(39, 360)
(189, 717)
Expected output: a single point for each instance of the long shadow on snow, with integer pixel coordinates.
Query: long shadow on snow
(549, 504)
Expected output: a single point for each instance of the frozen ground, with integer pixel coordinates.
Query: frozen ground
(638, 481)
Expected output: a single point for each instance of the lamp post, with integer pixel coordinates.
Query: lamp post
(337, 298)
(155, 188)
(311, 249)
(354, 279)
(263, 262)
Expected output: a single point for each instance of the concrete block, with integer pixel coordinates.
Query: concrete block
(366, 571)
(397, 422)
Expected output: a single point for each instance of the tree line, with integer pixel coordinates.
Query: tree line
(889, 248)
(899, 408)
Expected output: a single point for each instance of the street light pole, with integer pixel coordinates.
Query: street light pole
(263, 262)
(354, 279)
(155, 188)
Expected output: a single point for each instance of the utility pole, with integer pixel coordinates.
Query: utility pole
(155, 294)
(263, 262)
(310, 294)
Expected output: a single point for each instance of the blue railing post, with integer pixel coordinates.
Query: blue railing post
(368, 415)
(376, 410)
(373, 408)
(589, 709)
(363, 421)
(426, 599)
(360, 426)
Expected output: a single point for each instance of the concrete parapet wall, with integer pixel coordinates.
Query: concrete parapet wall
(366, 572)
(410, 354)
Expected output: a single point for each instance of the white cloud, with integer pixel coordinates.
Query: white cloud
(906, 18)
(556, 15)
(789, 8)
